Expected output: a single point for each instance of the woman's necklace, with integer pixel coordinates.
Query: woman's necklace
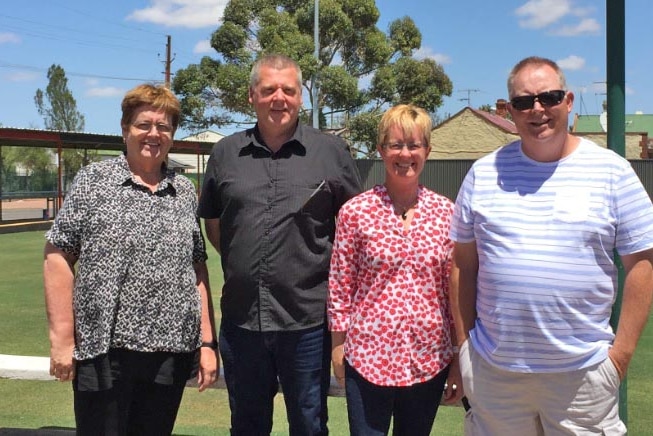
(403, 210)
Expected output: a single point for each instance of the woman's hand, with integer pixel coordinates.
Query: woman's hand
(209, 370)
(338, 357)
(62, 364)
(454, 391)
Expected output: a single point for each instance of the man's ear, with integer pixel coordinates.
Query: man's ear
(570, 101)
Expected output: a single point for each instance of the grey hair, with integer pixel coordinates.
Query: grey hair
(536, 61)
(276, 61)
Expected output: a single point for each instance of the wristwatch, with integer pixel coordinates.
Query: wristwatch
(212, 345)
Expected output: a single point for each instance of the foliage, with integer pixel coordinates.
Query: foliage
(57, 105)
(364, 131)
(58, 108)
(360, 71)
(486, 108)
(27, 169)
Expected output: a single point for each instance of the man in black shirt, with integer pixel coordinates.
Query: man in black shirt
(270, 198)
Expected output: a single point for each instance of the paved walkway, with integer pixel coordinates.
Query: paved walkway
(24, 216)
(24, 209)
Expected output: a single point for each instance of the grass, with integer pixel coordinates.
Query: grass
(40, 404)
(37, 404)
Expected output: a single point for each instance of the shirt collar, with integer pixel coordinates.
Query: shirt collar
(296, 140)
(123, 175)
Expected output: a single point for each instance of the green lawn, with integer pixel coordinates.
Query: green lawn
(36, 404)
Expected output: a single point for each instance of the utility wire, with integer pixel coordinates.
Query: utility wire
(68, 73)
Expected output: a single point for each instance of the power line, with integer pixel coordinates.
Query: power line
(54, 33)
(69, 73)
(86, 34)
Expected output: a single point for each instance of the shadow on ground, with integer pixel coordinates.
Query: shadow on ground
(43, 431)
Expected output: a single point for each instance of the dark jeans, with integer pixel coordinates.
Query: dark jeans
(255, 363)
(370, 407)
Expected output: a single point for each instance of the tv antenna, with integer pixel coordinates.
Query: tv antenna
(469, 95)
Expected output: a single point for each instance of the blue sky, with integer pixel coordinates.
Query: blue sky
(110, 46)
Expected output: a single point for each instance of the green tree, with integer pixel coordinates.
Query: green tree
(27, 169)
(58, 108)
(360, 71)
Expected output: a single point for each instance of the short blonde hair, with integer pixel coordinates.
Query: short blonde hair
(409, 118)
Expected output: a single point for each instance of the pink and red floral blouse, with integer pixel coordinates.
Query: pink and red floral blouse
(389, 288)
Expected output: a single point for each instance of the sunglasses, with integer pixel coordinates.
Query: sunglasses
(546, 99)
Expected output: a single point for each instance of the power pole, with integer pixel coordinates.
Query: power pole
(469, 96)
(316, 53)
(168, 61)
(616, 83)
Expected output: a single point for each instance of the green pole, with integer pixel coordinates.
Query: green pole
(616, 135)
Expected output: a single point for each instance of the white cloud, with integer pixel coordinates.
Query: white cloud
(571, 63)
(6, 37)
(22, 76)
(204, 46)
(106, 91)
(537, 14)
(601, 88)
(598, 88)
(427, 52)
(192, 14)
(583, 12)
(587, 26)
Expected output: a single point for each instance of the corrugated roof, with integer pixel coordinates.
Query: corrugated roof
(635, 123)
(500, 122)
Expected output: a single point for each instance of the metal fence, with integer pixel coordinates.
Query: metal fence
(442, 176)
(446, 176)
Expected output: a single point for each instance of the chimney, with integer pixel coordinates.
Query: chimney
(502, 110)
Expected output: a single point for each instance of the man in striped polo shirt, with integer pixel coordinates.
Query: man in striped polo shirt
(536, 226)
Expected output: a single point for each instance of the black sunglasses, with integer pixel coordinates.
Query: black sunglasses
(546, 99)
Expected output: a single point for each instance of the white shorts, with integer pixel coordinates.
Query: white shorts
(583, 402)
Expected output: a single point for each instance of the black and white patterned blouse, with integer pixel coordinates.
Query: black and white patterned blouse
(135, 286)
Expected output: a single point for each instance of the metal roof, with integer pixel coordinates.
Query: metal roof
(10, 136)
(635, 123)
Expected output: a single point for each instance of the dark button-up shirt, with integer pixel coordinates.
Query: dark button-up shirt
(135, 285)
(277, 222)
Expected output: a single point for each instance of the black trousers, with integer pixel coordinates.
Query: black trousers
(128, 409)
(130, 393)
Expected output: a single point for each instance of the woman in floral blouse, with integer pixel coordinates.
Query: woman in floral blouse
(388, 304)
(126, 285)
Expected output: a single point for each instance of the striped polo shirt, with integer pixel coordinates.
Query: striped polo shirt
(546, 233)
